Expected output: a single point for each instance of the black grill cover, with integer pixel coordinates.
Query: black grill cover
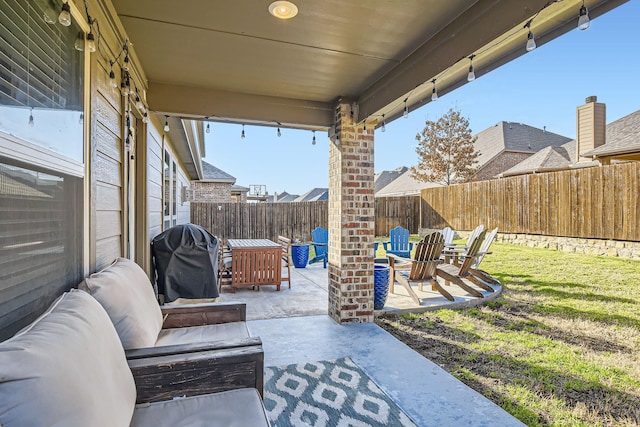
(185, 258)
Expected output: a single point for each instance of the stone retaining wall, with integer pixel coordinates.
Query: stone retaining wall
(622, 249)
(617, 248)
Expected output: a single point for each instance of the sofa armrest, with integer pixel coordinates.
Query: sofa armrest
(169, 350)
(185, 315)
(204, 371)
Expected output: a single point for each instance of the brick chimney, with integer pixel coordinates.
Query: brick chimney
(590, 127)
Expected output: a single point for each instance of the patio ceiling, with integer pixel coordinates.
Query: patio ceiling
(232, 61)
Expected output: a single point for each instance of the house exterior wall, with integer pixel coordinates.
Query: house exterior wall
(154, 180)
(106, 166)
(211, 192)
(108, 194)
(499, 164)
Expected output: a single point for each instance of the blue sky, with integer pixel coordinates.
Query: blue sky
(541, 88)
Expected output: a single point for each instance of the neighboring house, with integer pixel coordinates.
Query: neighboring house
(385, 178)
(216, 186)
(597, 143)
(622, 141)
(404, 185)
(239, 194)
(549, 159)
(282, 197)
(314, 195)
(501, 147)
(506, 144)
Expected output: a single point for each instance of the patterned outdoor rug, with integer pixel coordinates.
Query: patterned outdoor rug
(328, 393)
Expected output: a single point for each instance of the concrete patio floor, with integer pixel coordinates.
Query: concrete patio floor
(309, 296)
(294, 328)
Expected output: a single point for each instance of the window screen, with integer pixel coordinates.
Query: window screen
(40, 242)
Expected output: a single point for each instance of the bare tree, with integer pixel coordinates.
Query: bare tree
(446, 150)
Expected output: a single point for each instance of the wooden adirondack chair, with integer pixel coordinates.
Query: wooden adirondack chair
(484, 250)
(448, 235)
(452, 251)
(286, 258)
(399, 243)
(320, 238)
(461, 272)
(420, 270)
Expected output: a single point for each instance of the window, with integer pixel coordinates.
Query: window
(170, 191)
(41, 79)
(41, 161)
(174, 193)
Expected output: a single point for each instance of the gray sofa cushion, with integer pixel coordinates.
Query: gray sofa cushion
(200, 334)
(125, 292)
(67, 368)
(234, 408)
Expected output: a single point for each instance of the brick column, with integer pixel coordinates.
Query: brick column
(351, 219)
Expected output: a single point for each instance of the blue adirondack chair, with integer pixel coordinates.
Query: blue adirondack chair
(320, 238)
(399, 243)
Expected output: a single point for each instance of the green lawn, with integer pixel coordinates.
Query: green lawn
(561, 346)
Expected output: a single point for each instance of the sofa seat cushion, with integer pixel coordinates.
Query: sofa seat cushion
(234, 408)
(67, 368)
(125, 292)
(200, 334)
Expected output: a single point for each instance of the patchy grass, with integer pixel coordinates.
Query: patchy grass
(560, 347)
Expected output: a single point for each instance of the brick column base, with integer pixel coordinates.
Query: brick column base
(351, 220)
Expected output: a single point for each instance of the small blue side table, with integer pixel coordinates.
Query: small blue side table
(300, 255)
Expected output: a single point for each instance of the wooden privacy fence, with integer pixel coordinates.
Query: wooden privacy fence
(599, 202)
(260, 220)
(296, 220)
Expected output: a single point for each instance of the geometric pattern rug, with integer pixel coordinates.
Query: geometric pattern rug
(328, 394)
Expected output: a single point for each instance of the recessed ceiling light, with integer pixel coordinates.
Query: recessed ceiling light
(283, 9)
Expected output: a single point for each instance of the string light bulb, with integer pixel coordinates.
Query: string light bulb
(65, 15)
(279, 133)
(125, 62)
(583, 18)
(364, 129)
(78, 43)
(434, 92)
(471, 76)
(531, 42)
(313, 140)
(112, 77)
(166, 124)
(139, 104)
(242, 134)
(31, 118)
(49, 15)
(405, 112)
(91, 42)
(208, 128)
(383, 128)
(145, 118)
(81, 119)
